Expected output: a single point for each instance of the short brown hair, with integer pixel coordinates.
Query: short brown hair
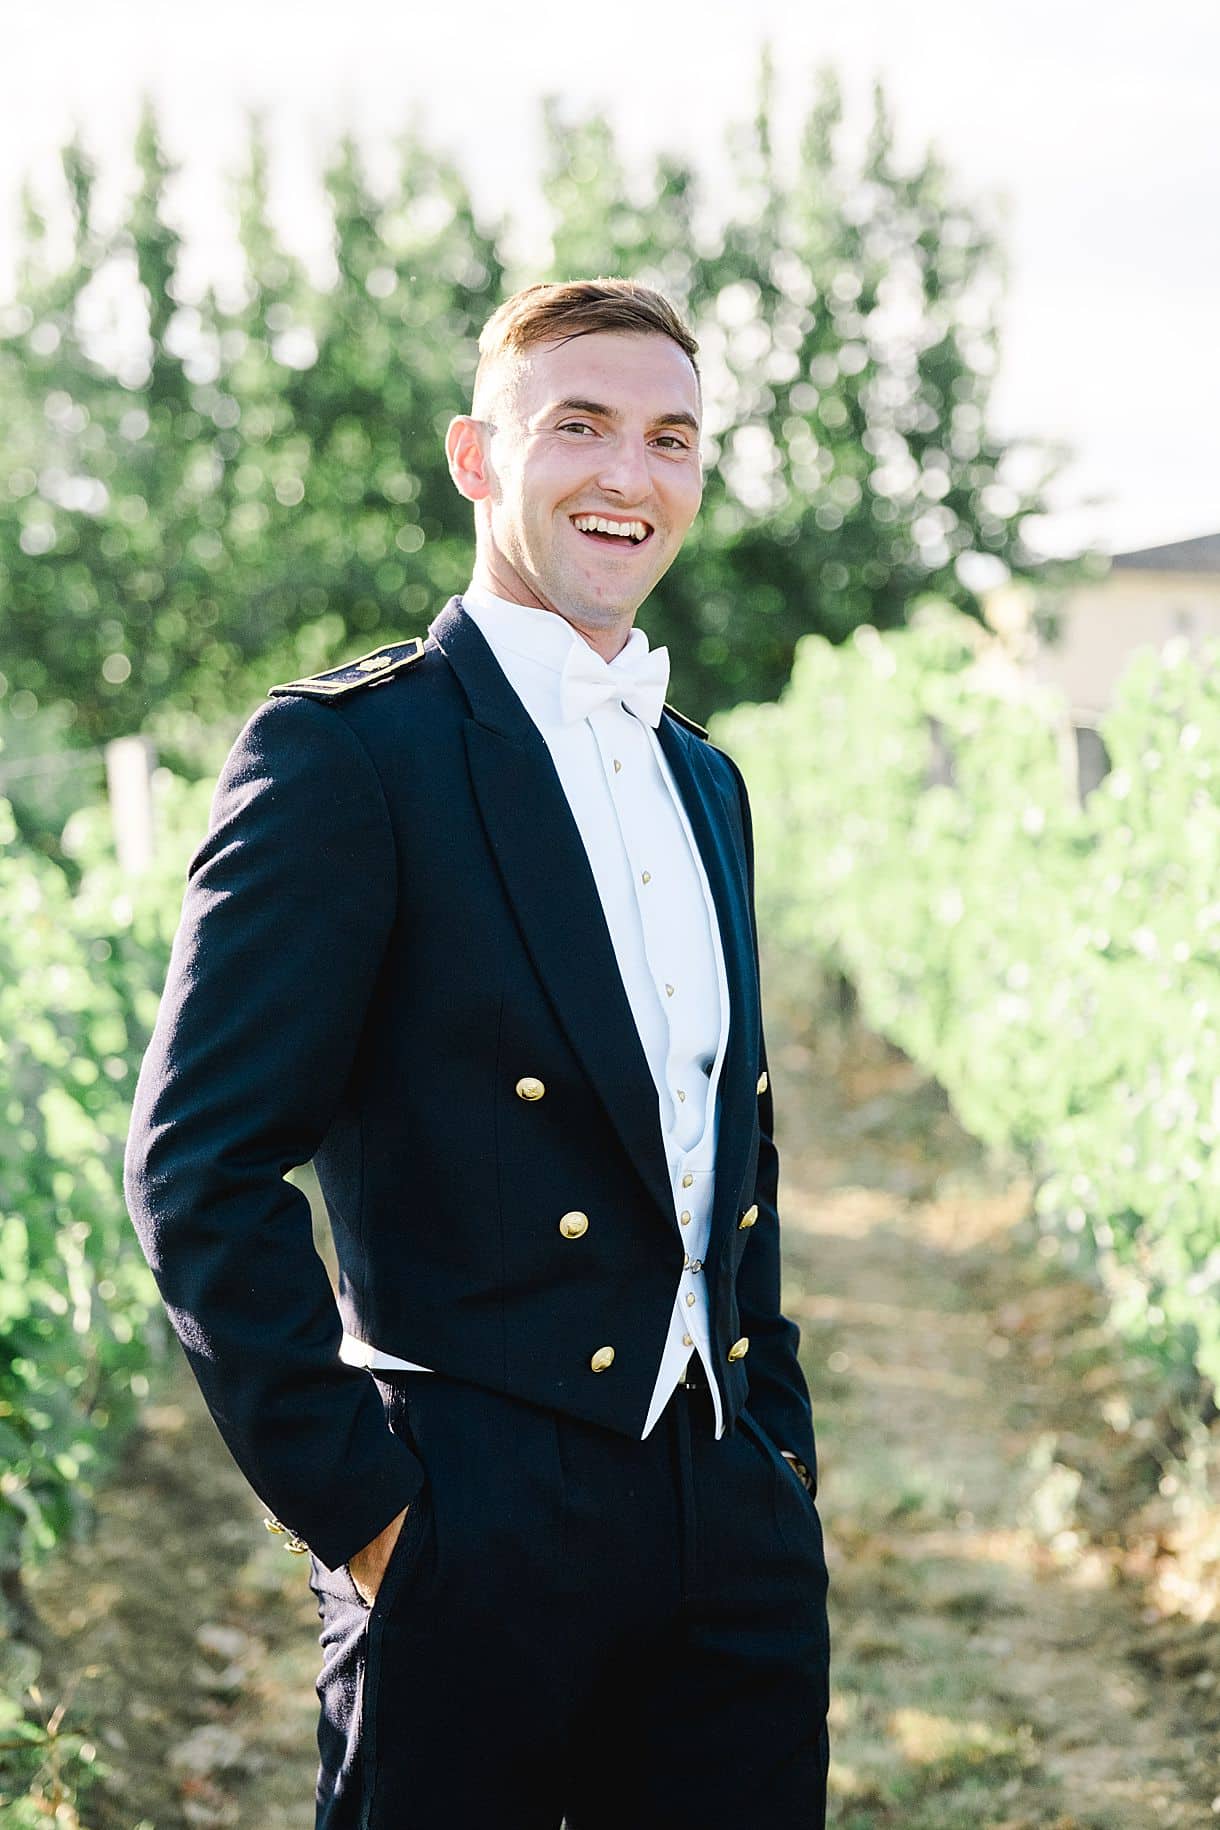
(552, 312)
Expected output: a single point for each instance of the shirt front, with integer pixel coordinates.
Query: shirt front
(664, 929)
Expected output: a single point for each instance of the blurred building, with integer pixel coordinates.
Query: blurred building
(1146, 598)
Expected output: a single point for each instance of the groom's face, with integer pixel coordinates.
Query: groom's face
(594, 474)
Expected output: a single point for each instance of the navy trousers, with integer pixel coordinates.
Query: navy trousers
(574, 1625)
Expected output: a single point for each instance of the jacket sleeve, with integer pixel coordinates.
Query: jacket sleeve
(779, 1395)
(289, 905)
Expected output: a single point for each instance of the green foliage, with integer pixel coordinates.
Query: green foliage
(1057, 967)
(80, 976)
(847, 317)
(254, 485)
(259, 486)
(45, 1766)
(81, 967)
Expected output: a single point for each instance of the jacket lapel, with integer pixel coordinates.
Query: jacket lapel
(551, 889)
(715, 819)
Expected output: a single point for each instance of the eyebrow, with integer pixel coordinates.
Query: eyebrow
(678, 418)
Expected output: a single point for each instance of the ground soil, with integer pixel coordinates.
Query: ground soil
(1002, 1656)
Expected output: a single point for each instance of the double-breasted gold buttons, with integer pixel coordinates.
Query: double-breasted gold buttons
(740, 1349)
(747, 1219)
(762, 1081)
(574, 1224)
(529, 1088)
(602, 1358)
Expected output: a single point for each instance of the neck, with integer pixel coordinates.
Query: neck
(607, 641)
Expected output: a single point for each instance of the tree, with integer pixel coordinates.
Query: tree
(251, 489)
(847, 318)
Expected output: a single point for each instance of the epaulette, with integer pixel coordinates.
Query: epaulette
(368, 670)
(683, 719)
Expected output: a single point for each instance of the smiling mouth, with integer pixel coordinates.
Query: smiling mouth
(608, 532)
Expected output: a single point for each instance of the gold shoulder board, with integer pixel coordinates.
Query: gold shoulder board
(368, 670)
(683, 719)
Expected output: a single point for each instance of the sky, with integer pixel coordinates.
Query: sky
(1095, 126)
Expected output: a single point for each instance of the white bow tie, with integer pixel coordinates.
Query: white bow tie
(587, 682)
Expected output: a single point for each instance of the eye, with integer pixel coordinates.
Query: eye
(575, 425)
(673, 441)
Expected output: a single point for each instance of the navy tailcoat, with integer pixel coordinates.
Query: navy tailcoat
(391, 923)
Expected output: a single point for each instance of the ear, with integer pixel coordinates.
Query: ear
(466, 451)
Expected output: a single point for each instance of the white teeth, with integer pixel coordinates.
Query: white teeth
(597, 524)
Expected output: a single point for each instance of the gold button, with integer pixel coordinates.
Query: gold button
(690, 1297)
(686, 1262)
(645, 876)
(669, 991)
(602, 1358)
(747, 1219)
(529, 1088)
(687, 1341)
(740, 1349)
(617, 765)
(681, 1094)
(684, 1216)
(762, 1081)
(696, 1264)
(292, 1542)
(574, 1224)
(687, 1180)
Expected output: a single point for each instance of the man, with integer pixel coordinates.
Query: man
(472, 930)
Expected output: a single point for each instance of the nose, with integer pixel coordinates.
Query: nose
(624, 470)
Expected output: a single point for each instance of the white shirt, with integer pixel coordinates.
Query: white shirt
(664, 929)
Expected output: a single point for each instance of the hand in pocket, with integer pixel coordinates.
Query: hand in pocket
(368, 1567)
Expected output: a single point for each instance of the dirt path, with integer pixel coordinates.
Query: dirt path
(993, 1668)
